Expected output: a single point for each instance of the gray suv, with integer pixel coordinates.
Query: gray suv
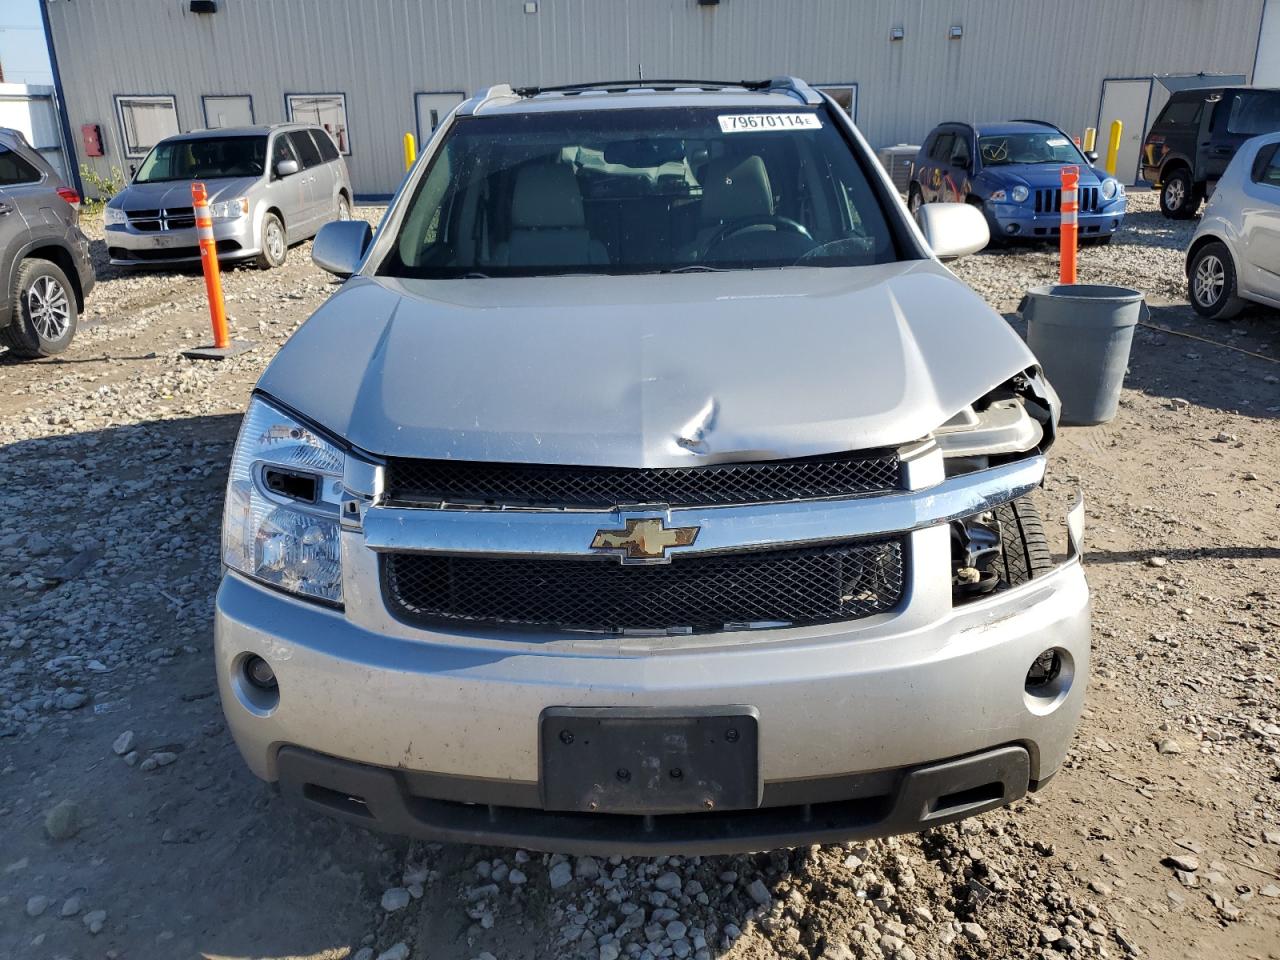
(44, 256)
(650, 486)
(269, 187)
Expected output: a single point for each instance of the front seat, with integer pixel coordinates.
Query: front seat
(547, 224)
(732, 189)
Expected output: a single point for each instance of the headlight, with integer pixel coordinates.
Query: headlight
(280, 524)
(1020, 193)
(1109, 188)
(113, 215)
(229, 209)
(999, 196)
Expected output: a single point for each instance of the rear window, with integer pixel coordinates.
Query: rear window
(640, 191)
(15, 169)
(1254, 112)
(1181, 113)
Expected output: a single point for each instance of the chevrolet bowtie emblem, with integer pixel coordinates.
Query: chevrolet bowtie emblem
(644, 539)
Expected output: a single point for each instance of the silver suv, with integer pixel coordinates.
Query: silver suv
(650, 486)
(45, 267)
(269, 187)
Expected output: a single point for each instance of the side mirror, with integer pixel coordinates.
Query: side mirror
(340, 245)
(1092, 157)
(286, 168)
(953, 229)
(133, 170)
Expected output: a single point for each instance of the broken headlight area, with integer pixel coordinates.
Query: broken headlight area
(997, 549)
(1016, 418)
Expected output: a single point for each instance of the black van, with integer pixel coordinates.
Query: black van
(1195, 137)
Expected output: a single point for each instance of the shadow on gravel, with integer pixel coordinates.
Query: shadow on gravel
(1193, 553)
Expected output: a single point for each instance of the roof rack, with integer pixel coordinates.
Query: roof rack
(791, 85)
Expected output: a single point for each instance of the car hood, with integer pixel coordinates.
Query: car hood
(649, 370)
(177, 193)
(1036, 175)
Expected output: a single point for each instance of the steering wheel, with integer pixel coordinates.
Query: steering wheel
(734, 227)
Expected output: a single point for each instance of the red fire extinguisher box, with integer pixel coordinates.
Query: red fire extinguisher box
(91, 139)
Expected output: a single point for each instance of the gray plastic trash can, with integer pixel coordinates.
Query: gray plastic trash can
(1081, 335)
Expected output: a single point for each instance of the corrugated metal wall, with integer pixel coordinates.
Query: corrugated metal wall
(1016, 58)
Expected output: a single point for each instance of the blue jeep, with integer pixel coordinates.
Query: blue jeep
(1012, 170)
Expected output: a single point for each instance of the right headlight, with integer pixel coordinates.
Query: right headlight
(1109, 189)
(280, 524)
(113, 215)
(1019, 193)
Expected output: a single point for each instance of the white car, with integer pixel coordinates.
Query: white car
(1235, 253)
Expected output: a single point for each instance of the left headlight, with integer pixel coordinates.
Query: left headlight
(281, 522)
(229, 209)
(1019, 193)
(1109, 189)
(112, 216)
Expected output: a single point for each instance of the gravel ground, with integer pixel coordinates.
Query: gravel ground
(131, 830)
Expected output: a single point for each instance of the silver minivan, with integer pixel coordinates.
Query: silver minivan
(269, 187)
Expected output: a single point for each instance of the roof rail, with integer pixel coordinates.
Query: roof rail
(797, 88)
(499, 91)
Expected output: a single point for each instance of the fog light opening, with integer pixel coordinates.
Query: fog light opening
(259, 673)
(1045, 669)
(1012, 228)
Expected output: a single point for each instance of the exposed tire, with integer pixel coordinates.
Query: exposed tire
(44, 317)
(275, 244)
(1024, 547)
(915, 199)
(1211, 283)
(1178, 197)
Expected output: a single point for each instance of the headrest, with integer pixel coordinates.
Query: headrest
(546, 195)
(733, 188)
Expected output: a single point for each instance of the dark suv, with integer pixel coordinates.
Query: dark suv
(44, 257)
(1195, 137)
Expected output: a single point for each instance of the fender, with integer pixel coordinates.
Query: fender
(35, 241)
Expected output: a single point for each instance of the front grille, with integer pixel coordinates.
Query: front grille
(797, 586)
(1049, 199)
(836, 475)
(167, 218)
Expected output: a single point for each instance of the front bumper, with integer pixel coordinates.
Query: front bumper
(854, 718)
(1015, 221)
(130, 247)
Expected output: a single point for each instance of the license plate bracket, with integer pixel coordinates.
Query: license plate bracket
(646, 761)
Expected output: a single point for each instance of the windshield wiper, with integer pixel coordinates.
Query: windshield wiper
(695, 268)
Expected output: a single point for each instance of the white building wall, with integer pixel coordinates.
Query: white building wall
(1016, 58)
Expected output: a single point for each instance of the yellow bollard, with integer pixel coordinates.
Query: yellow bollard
(1090, 138)
(1113, 146)
(410, 150)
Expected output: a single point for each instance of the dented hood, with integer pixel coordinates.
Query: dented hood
(646, 370)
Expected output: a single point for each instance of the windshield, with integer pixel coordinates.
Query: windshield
(203, 158)
(640, 191)
(1048, 147)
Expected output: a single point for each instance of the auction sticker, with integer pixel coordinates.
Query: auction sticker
(758, 122)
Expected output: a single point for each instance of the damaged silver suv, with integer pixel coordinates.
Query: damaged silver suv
(650, 486)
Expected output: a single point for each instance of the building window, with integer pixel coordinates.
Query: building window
(145, 121)
(327, 110)
(228, 111)
(845, 94)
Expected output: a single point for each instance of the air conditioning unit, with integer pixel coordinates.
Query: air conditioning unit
(899, 161)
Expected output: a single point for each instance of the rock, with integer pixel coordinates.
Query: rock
(1271, 836)
(1270, 890)
(1068, 944)
(668, 882)
(123, 743)
(364, 953)
(1183, 861)
(164, 758)
(94, 920)
(1168, 745)
(37, 905)
(516, 877)
(72, 701)
(399, 951)
(560, 875)
(397, 898)
(1100, 887)
(1050, 935)
(70, 906)
(1129, 946)
(759, 892)
(609, 951)
(676, 930)
(974, 932)
(63, 821)
(1157, 562)
(587, 868)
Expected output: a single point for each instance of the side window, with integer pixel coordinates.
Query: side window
(324, 143)
(281, 150)
(1266, 168)
(1254, 112)
(308, 155)
(942, 147)
(15, 169)
(960, 152)
(1181, 113)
